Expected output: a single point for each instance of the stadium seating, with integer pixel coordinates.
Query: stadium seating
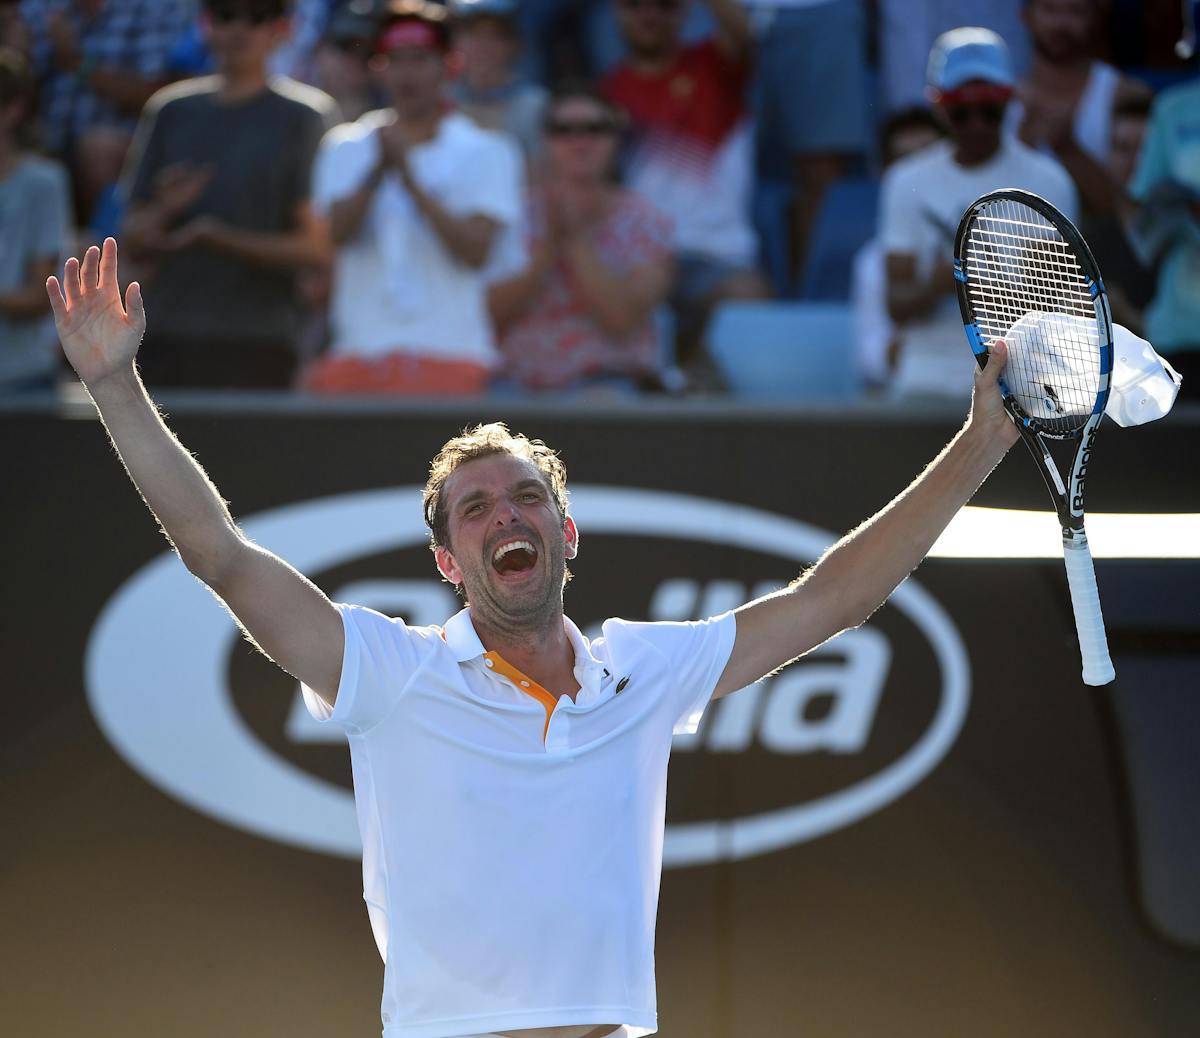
(783, 350)
(769, 212)
(845, 223)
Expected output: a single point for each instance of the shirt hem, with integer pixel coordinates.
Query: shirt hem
(561, 1017)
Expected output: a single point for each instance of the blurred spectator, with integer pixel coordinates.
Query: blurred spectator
(34, 223)
(416, 196)
(809, 50)
(875, 339)
(218, 186)
(1065, 105)
(691, 155)
(580, 316)
(604, 45)
(1130, 282)
(906, 29)
(340, 62)
(924, 196)
(1167, 183)
(489, 88)
(97, 63)
(295, 56)
(14, 33)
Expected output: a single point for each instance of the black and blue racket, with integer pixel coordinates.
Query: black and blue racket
(1025, 275)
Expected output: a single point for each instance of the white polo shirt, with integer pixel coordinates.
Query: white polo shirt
(396, 287)
(512, 843)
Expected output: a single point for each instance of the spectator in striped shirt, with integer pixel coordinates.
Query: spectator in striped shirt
(97, 62)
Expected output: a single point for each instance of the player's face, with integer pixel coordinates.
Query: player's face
(650, 27)
(1059, 28)
(508, 544)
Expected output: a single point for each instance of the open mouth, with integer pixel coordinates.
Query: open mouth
(514, 557)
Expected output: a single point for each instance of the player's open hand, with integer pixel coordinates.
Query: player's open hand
(988, 415)
(99, 334)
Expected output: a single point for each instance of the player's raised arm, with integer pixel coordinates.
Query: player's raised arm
(289, 618)
(856, 575)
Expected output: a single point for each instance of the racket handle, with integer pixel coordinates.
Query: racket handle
(1085, 601)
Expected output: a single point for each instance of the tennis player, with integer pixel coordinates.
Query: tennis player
(509, 776)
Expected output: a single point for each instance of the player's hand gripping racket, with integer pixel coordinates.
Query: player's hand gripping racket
(1025, 275)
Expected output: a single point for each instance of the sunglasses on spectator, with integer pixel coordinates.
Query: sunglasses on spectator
(251, 14)
(580, 127)
(643, 5)
(989, 113)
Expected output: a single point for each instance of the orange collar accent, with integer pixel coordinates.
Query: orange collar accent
(524, 683)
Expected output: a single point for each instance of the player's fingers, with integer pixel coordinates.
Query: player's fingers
(134, 307)
(57, 303)
(89, 270)
(108, 263)
(997, 358)
(70, 281)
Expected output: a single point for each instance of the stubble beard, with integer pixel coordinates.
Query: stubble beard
(528, 610)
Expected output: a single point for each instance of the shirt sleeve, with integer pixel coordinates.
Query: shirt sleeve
(380, 656)
(142, 162)
(306, 142)
(342, 165)
(696, 652)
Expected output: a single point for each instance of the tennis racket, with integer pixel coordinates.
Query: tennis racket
(1025, 275)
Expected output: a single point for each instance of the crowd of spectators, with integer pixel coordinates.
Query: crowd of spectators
(555, 196)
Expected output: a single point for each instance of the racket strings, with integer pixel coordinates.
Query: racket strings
(1028, 288)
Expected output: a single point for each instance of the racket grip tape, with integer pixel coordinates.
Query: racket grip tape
(1085, 601)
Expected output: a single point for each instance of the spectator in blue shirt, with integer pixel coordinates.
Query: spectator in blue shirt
(1167, 183)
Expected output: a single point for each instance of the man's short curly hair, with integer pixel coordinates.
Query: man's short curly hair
(483, 441)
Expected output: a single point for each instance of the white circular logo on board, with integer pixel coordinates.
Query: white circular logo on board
(160, 692)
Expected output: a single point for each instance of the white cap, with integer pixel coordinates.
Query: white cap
(1143, 386)
(961, 55)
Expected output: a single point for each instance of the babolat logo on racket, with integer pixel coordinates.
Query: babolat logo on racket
(815, 745)
(1085, 455)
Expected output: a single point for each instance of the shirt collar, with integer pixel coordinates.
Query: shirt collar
(459, 634)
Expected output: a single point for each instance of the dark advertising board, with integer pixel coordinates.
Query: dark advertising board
(929, 826)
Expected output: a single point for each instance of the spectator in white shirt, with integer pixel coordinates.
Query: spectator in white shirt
(416, 197)
(923, 198)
